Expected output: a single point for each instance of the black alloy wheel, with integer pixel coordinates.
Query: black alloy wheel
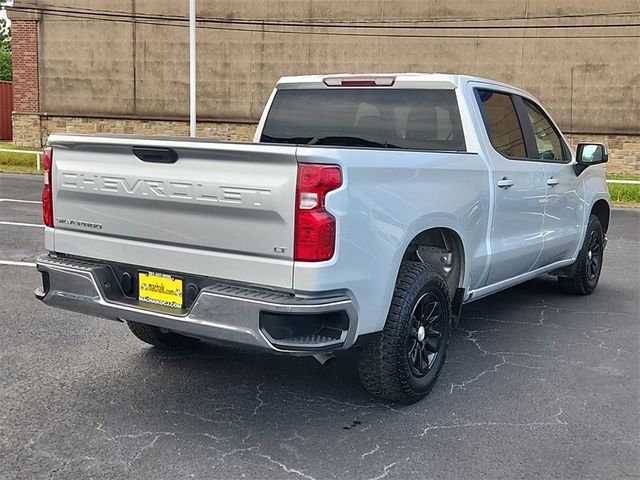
(424, 339)
(594, 256)
(585, 272)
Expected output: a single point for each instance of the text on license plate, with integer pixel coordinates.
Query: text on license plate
(160, 289)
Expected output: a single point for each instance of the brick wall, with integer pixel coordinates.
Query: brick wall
(25, 65)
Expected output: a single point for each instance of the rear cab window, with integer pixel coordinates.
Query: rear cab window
(415, 119)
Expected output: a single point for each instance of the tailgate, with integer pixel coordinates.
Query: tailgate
(221, 210)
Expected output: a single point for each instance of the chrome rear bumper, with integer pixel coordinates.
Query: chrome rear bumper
(221, 311)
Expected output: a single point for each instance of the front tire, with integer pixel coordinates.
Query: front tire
(159, 337)
(589, 263)
(404, 363)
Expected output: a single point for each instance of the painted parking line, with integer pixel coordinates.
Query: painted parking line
(20, 224)
(19, 201)
(17, 264)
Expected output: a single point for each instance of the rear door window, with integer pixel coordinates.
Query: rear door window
(501, 121)
(366, 117)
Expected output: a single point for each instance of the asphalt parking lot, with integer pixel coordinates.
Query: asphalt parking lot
(538, 384)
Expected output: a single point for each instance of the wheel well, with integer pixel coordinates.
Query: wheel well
(443, 248)
(601, 210)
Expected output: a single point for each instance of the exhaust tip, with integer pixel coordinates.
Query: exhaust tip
(325, 359)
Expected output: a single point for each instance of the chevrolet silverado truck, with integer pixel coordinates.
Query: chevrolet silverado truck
(367, 211)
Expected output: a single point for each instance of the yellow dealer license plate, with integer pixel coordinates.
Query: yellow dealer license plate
(160, 289)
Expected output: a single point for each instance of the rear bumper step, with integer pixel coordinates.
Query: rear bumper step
(230, 313)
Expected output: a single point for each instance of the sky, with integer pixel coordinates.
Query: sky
(3, 12)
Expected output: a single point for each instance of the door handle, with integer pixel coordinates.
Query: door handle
(553, 182)
(155, 155)
(506, 183)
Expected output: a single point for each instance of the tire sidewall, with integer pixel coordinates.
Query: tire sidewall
(429, 282)
(594, 225)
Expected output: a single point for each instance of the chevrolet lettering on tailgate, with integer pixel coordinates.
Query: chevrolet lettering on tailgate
(205, 192)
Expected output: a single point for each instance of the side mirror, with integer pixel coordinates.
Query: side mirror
(588, 154)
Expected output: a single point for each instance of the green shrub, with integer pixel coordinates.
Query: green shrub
(5, 65)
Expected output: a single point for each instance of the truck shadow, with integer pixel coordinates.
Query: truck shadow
(214, 373)
(215, 402)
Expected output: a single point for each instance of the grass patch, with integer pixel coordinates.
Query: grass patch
(624, 194)
(17, 162)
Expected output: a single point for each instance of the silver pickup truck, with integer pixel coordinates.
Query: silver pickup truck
(368, 210)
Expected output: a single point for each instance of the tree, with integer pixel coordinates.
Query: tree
(5, 34)
(5, 49)
(5, 65)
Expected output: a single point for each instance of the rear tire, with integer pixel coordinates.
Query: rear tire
(159, 337)
(404, 363)
(589, 263)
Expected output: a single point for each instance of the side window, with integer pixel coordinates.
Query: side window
(501, 121)
(548, 140)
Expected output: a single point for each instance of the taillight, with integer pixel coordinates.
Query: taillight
(47, 197)
(315, 235)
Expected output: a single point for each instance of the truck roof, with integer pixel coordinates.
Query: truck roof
(398, 80)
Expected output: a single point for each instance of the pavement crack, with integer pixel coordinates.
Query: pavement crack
(325, 402)
(295, 436)
(261, 403)
(371, 452)
(141, 450)
(471, 337)
(556, 421)
(208, 419)
(286, 468)
(464, 384)
(144, 448)
(215, 438)
(385, 472)
(504, 360)
(602, 345)
(233, 452)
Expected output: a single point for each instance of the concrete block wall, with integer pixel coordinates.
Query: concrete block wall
(624, 150)
(224, 131)
(26, 129)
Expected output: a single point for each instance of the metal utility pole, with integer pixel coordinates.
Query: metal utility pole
(192, 68)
